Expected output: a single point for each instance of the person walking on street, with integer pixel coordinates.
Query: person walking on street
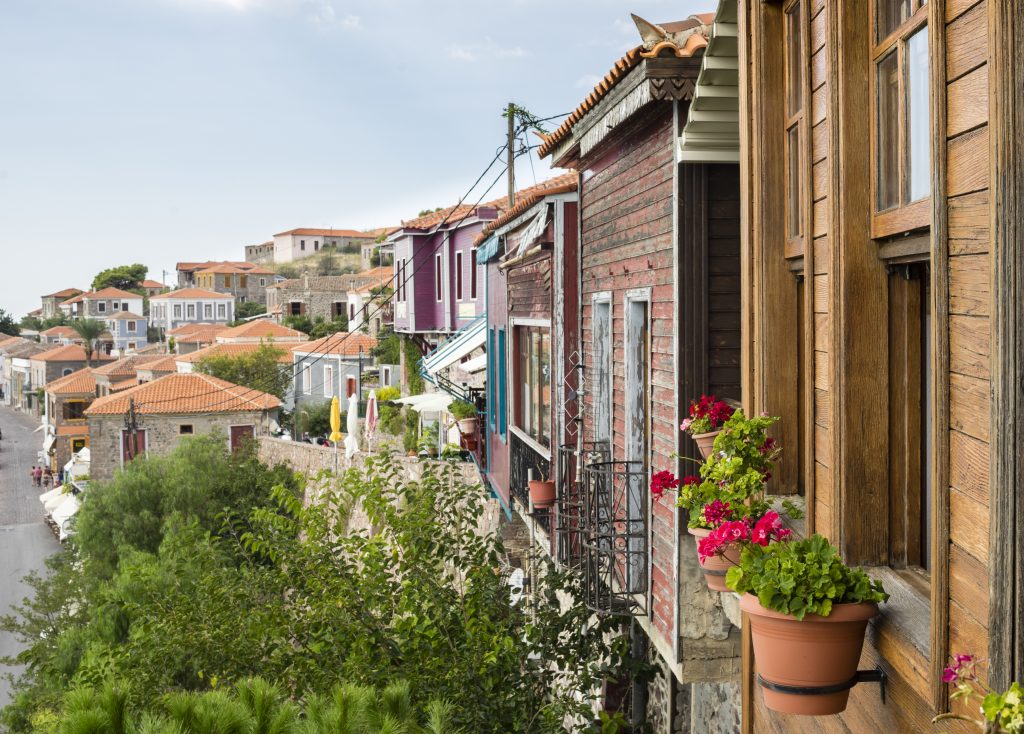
(38, 476)
(32, 475)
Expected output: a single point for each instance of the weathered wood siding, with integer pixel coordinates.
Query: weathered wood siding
(627, 231)
(529, 288)
(497, 446)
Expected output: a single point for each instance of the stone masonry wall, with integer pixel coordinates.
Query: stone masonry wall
(162, 435)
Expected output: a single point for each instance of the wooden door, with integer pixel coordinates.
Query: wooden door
(130, 449)
(240, 434)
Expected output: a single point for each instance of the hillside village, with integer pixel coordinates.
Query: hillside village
(745, 367)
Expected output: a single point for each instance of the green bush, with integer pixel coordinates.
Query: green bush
(462, 409)
(388, 393)
(411, 436)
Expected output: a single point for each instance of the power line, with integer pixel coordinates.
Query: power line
(326, 347)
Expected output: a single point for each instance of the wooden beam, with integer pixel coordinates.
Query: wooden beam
(1006, 166)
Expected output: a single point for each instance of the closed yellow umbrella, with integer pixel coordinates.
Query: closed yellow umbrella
(335, 420)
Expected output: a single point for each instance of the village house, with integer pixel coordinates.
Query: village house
(190, 306)
(529, 253)
(152, 287)
(317, 296)
(53, 300)
(187, 272)
(303, 242)
(18, 372)
(56, 362)
(128, 332)
(659, 323)
(67, 432)
(246, 284)
(121, 374)
(190, 337)
(260, 254)
(7, 343)
(154, 370)
(168, 409)
(259, 331)
(332, 367)
(59, 335)
(369, 301)
(101, 304)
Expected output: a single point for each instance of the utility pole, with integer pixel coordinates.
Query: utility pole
(511, 155)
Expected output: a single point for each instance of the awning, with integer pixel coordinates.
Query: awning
(457, 346)
(487, 249)
(433, 402)
(474, 365)
(518, 243)
(712, 130)
(48, 443)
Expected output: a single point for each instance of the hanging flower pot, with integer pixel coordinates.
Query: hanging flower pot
(715, 567)
(467, 426)
(542, 493)
(706, 442)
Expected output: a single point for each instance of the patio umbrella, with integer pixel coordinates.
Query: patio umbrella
(371, 414)
(352, 439)
(335, 420)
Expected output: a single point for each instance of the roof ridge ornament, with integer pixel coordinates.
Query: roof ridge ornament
(657, 39)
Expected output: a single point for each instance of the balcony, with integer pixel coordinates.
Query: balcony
(612, 536)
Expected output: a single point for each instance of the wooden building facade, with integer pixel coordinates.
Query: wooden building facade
(882, 317)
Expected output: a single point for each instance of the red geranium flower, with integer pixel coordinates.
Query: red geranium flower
(661, 481)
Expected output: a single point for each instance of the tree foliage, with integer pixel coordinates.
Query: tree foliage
(90, 330)
(389, 347)
(259, 370)
(248, 309)
(8, 325)
(413, 357)
(125, 277)
(294, 593)
(313, 417)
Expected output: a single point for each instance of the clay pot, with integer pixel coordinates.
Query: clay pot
(813, 652)
(467, 426)
(542, 494)
(706, 442)
(716, 567)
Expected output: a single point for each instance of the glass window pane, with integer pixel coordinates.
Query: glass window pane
(888, 132)
(793, 197)
(794, 52)
(890, 14)
(918, 153)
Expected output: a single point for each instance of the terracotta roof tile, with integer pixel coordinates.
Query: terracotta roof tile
(122, 385)
(60, 331)
(126, 366)
(312, 232)
(235, 350)
(346, 344)
(191, 293)
(10, 341)
(151, 284)
(232, 269)
(66, 293)
(124, 316)
(190, 266)
(196, 328)
(111, 293)
(167, 363)
(179, 394)
(69, 353)
(260, 329)
(695, 42)
(26, 349)
(528, 198)
(81, 382)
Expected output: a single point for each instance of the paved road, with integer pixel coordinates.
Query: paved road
(25, 540)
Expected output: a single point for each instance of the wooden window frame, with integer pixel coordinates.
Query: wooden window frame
(795, 243)
(916, 214)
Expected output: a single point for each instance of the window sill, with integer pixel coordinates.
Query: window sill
(537, 448)
(907, 614)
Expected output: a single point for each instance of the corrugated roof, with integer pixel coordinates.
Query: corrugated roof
(179, 394)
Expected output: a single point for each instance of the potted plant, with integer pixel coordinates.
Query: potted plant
(465, 413)
(707, 416)
(542, 491)
(807, 612)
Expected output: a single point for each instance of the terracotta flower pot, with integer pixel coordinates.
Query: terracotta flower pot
(716, 567)
(706, 442)
(467, 426)
(542, 494)
(814, 652)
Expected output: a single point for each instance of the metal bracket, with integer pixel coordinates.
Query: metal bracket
(862, 676)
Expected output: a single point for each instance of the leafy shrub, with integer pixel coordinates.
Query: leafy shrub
(801, 577)
(462, 409)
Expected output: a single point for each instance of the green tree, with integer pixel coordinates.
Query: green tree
(389, 347)
(8, 325)
(328, 262)
(90, 330)
(259, 370)
(125, 277)
(314, 418)
(248, 309)
(413, 357)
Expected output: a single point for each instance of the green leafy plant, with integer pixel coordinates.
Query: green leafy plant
(411, 435)
(462, 409)
(801, 577)
(390, 415)
(259, 370)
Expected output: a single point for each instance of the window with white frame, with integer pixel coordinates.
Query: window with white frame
(207, 310)
(458, 275)
(437, 277)
(177, 310)
(328, 381)
(131, 327)
(307, 379)
(222, 311)
(533, 380)
(190, 310)
(473, 270)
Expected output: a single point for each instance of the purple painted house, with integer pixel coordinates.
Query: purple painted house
(439, 285)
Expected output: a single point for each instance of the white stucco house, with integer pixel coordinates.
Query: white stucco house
(303, 242)
(190, 306)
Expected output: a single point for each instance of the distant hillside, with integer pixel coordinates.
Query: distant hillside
(325, 262)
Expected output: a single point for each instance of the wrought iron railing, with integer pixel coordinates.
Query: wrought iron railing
(524, 463)
(570, 524)
(614, 537)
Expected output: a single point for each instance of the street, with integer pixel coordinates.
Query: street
(25, 540)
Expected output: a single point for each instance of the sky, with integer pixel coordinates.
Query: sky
(158, 131)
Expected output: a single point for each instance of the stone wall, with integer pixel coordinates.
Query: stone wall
(163, 432)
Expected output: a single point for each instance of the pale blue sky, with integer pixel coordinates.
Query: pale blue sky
(164, 130)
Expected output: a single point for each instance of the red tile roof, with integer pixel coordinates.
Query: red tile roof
(346, 344)
(259, 329)
(124, 316)
(60, 331)
(69, 353)
(234, 269)
(81, 382)
(151, 284)
(528, 198)
(190, 266)
(193, 294)
(10, 341)
(695, 42)
(111, 293)
(234, 350)
(66, 293)
(168, 363)
(126, 366)
(197, 333)
(308, 232)
(179, 394)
